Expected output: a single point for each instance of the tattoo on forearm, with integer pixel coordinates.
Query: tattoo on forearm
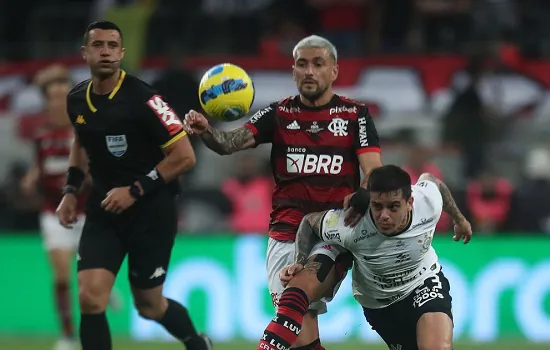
(312, 267)
(306, 237)
(225, 143)
(449, 204)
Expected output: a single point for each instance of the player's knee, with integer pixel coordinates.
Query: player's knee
(150, 309)
(306, 282)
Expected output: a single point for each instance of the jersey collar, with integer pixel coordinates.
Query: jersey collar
(111, 95)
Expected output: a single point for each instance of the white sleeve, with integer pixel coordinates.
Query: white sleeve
(333, 230)
(431, 194)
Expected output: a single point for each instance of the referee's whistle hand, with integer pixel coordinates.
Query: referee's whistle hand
(118, 200)
(66, 210)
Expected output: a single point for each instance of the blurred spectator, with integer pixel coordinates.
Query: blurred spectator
(488, 200)
(250, 194)
(444, 23)
(466, 125)
(391, 26)
(416, 164)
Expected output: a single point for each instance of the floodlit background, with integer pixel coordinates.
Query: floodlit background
(459, 88)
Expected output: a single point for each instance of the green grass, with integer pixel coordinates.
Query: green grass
(21, 344)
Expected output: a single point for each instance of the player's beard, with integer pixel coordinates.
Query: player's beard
(313, 95)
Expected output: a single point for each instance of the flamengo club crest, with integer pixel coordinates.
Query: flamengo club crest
(339, 127)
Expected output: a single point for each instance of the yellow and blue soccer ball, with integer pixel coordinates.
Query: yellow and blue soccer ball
(226, 92)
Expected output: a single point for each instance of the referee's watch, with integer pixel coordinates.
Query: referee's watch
(135, 192)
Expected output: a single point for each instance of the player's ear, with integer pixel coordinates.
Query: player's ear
(122, 53)
(294, 72)
(410, 203)
(335, 71)
(83, 52)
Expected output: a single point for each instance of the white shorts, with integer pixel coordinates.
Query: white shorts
(281, 254)
(58, 237)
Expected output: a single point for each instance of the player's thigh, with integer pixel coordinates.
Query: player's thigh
(433, 309)
(100, 246)
(57, 237)
(279, 255)
(434, 331)
(394, 325)
(150, 244)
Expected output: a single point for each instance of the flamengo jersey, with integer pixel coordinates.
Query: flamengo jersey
(313, 156)
(52, 148)
(387, 269)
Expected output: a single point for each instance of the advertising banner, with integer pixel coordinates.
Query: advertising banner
(500, 289)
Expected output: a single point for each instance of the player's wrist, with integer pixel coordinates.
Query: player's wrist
(147, 184)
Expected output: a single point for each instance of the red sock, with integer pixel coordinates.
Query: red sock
(316, 345)
(63, 303)
(283, 330)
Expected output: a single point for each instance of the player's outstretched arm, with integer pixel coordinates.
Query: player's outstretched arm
(462, 228)
(449, 204)
(307, 235)
(221, 142)
(228, 142)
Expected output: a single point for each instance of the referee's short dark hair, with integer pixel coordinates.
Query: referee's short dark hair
(390, 178)
(104, 25)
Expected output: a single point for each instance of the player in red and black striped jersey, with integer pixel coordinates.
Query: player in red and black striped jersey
(52, 144)
(320, 141)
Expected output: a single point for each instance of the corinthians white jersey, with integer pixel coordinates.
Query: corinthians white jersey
(386, 269)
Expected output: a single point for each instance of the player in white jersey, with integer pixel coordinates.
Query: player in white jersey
(396, 276)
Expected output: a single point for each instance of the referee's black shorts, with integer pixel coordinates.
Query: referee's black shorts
(145, 232)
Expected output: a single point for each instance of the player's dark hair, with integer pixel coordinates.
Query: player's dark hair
(390, 178)
(104, 25)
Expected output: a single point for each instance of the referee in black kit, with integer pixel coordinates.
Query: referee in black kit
(134, 147)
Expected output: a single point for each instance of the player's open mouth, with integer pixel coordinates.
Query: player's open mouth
(311, 82)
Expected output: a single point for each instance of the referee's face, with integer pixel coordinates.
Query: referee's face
(314, 71)
(103, 52)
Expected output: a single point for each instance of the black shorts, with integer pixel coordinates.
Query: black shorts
(145, 232)
(396, 324)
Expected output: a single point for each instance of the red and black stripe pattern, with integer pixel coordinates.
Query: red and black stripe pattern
(314, 156)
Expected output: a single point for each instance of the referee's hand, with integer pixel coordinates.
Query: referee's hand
(118, 200)
(66, 210)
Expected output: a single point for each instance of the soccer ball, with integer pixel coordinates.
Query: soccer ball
(226, 92)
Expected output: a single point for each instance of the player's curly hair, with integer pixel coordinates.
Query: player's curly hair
(389, 178)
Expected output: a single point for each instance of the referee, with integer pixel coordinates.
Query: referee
(133, 145)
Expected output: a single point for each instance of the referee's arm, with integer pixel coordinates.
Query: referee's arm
(180, 157)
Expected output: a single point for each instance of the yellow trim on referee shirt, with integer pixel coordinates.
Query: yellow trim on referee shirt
(111, 95)
(174, 139)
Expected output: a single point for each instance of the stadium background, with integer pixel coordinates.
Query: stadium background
(411, 61)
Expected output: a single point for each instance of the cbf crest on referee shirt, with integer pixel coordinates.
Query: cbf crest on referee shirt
(116, 144)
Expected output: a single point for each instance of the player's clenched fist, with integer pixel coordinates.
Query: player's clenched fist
(288, 272)
(66, 210)
(195, 123)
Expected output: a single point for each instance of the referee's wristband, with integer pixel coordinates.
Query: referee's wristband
(75, 177)
(151, 182)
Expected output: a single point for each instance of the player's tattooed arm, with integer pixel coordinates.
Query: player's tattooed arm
(308, 234)
(449, 204)
(228, 142)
